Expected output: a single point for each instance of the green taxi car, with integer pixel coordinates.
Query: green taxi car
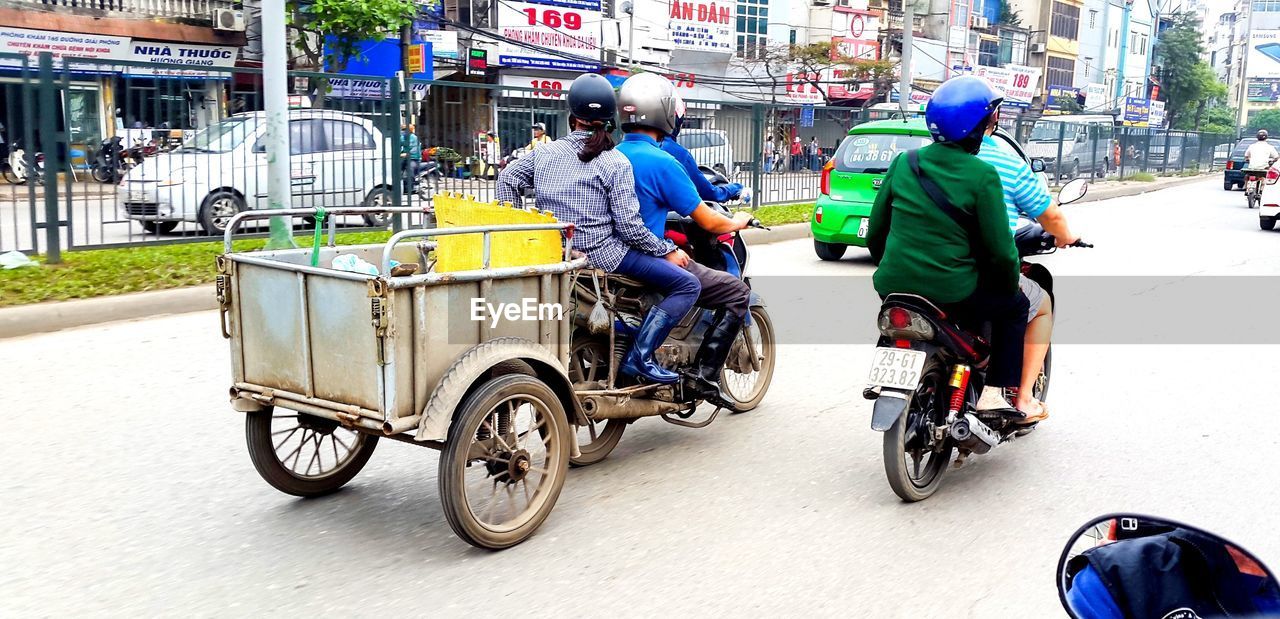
(851, 178)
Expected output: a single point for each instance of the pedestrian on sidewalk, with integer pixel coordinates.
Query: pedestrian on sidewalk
(797, 153)
(815, 152)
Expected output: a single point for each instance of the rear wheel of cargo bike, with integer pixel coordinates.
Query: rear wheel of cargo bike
(302, 454)
(506, 461)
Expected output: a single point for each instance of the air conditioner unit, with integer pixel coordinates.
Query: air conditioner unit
(1037, 48)
(980, 22)
(228, 20)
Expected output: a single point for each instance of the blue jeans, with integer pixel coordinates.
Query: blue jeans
(680, 286)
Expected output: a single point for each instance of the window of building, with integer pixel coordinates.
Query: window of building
(1093, 19)
(1062, 71)
(1065, 21)
(793, 36)
(1266, 6)
(753, 26)
(989, 53)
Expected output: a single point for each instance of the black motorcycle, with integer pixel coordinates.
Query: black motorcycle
(610, 309)
(108, 164)
(927, 372)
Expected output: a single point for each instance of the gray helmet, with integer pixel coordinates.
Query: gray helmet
(650, 100)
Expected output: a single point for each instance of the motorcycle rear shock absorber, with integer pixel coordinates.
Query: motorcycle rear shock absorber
(959, 386)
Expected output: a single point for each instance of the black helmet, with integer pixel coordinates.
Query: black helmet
(591, 98)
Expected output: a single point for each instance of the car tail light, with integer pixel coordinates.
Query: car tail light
(1273, 175)
(817, 215)
(824, 185)
(1231, 165)
(900, 323)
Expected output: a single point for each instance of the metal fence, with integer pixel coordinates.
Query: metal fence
(191, 155)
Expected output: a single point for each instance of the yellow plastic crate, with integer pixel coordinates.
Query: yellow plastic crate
(464, 252)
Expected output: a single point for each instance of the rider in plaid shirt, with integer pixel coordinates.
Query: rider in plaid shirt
(583, 181)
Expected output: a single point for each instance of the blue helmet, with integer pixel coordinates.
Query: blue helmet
(960, 106)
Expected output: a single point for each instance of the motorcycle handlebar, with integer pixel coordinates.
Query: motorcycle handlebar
(1081, 243)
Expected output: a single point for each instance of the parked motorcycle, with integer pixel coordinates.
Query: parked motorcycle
(610, 309)
(427, 181)
(1134, 566)
(109, 164)
(20, 170)
(927, 372)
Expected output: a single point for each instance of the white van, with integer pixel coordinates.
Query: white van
(1085, 144)
(336, 159)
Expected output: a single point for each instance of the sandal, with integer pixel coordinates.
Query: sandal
(1033, 417)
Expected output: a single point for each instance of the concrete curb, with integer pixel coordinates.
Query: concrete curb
(777, 234)
(1136, 188)
(46, 317)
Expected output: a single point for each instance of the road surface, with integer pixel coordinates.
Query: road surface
(128, 490)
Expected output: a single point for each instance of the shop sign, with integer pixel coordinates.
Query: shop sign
(187, 55)
(702, 26)
(572, 29)
(1137, 111)
(32, 42)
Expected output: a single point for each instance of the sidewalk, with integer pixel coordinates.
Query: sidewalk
(1105, 190)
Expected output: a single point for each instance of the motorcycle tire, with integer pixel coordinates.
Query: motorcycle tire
(102, 174)
(929, 399)
(11, 177)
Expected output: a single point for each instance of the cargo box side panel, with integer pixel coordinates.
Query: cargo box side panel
(401, 373)
(344, 349)
(271, 327)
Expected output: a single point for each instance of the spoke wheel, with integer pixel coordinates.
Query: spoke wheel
(744, 384)
(913, 461)
(589, 361)
(305, 455)
(506, 461)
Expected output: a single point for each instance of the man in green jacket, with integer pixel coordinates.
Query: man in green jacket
(970, 270)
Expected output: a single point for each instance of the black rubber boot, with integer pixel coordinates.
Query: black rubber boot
(639, 360)
(703, 382)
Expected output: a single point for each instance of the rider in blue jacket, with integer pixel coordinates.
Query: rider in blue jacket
(706, 190)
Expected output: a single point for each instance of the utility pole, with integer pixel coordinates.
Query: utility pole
(275, 94)
(629, 8)
(1242, 120)
(1124, 52)
(904, 68)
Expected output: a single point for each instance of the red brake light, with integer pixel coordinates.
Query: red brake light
(817, 215)
(899, 318)
(824, 184)
(1230, 165)
(1273, 175)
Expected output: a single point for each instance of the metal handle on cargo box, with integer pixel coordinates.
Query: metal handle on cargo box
(487, 231)
(303, 212)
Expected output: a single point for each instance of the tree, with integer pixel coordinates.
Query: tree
(1217, 118)
(1189, 83)
(817, 66)
(1266, 119)
(1008, 15)
(343, 24)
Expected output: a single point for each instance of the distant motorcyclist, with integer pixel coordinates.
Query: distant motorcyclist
(410, 156)
(540, 136)
(650, 111)
(1261, 154)
(582, 180)
(957, 250)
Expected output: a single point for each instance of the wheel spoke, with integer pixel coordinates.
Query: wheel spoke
(295, 453)
(286, 439)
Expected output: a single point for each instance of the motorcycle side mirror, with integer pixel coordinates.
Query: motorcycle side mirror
(1072, 191)
(1129, 565)
(1037, 165)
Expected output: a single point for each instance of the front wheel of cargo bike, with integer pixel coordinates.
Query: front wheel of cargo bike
(506, 461)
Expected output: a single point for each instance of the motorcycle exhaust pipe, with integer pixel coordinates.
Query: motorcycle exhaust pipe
(973, 435)
(613, 407)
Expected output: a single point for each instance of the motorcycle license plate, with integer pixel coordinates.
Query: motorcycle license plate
(862, 227)
(898, 368)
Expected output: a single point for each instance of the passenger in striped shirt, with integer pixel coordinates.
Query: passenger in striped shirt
(1026, 195)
